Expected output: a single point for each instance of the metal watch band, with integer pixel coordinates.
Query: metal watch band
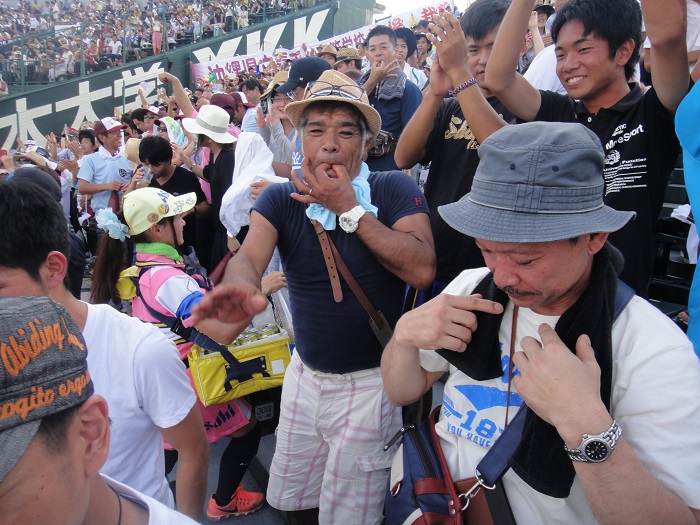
(610, 436)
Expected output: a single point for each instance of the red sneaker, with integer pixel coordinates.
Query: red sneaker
(242, 503)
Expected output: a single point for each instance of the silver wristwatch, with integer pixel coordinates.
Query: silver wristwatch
(596, 448)
(350, 220)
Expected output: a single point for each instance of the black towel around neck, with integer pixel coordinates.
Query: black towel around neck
(541, 460)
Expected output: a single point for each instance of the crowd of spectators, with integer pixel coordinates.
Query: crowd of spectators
(45, 42)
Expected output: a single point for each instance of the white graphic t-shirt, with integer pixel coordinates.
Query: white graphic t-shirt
(655, 392)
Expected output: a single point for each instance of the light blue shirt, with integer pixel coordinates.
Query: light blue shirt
(249, 123)
(101, 168)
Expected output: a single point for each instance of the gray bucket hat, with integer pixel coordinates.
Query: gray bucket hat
(536, 182)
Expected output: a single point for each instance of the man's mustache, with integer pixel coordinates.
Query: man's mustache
(515, 292)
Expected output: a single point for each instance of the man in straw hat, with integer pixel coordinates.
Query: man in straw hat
(611, 388)
(331, 435)
(329, 54)
(349, 63)
(54, 432)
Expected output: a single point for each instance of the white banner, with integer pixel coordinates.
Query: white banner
(242, 63)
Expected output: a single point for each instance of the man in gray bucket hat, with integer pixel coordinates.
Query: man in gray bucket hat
(611, 387)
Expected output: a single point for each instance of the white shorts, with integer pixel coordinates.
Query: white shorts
(330, 441)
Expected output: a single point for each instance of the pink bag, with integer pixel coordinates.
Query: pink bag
(220, 420)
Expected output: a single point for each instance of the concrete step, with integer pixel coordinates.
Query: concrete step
(266, 515)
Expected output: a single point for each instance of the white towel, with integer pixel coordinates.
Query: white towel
(682, 213)
(253, 164)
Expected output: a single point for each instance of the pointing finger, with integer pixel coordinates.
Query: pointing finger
(476, 303)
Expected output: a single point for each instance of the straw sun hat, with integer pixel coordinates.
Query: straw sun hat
(334, 86)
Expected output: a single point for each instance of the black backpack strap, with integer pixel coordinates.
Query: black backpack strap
(166, 320)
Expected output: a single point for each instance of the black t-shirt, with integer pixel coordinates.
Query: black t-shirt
(182, 182)
(220, 175)
(641, 147)
(336, 337)
(453, 152)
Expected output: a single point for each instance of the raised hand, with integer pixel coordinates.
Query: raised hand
(383, 70)
(272, 282)
(328, 185)
(260, 118)
(451, 45)
(230, 303)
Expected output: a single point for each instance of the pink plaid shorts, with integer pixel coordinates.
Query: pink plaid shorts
(330, 442)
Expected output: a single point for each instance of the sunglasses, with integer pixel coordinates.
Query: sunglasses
(42, 152)
(164, 130)
(149, 117)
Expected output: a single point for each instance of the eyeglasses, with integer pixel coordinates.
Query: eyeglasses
(293, 94)
(280, 98)
(149, 117)
(164, 130)
(325, 89)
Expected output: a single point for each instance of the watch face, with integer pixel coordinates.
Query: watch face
(347, 224)
(597, 450)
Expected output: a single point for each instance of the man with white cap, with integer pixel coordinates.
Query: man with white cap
(334, 418)
(107, 172)
(150, 115)
(611, 428)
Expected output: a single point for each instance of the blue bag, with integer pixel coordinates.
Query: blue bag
(420, 489)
